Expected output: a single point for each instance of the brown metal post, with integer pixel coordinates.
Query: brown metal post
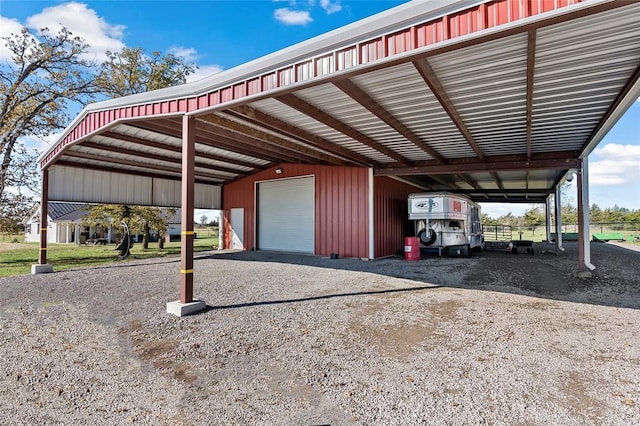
(187, 204)
(44, 211)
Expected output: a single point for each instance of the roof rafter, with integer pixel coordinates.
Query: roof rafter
(327, 119)
(178, 149)
(357, 94)
(112, 160)
(531, 65)
(77, 165)
(258, 150)
(430, 77)
(481, 166)
(270, 122)
(243, 129)
(152, 156)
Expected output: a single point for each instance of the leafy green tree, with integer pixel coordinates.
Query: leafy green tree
(595, 213)
(46, 72)
(485, 219)
(132, 71)
(140, 219)
(535, 216)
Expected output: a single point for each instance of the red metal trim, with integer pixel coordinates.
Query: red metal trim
(492, 14)
(187, 204)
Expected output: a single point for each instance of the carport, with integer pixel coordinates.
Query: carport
(499, 100)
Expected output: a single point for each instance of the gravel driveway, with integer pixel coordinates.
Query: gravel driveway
(303, 340)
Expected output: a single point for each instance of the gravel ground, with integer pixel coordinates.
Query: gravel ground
(302, 340)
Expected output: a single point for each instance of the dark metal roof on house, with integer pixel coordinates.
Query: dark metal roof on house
(66, 211)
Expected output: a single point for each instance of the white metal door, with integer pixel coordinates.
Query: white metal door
(237, 228)
(286, 215)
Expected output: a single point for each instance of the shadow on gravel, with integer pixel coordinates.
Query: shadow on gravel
(322, 297)
(549, 275)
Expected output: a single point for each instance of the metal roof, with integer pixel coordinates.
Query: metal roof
(497, 99)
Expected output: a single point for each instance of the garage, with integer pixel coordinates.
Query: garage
(286, 215)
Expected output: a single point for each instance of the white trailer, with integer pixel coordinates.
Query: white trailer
(446, 222)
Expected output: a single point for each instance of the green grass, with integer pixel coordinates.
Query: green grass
(18, 260)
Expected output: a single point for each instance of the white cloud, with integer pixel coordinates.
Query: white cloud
(292, 17)
(331, 7)
(7, 27)
(616, 164)
(83, 22)
(189, 54)
(204, 71)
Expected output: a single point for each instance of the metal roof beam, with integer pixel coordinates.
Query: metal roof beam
(357, 94)
(125, 171)
(531, 65)
(481, 191)
(112, 160)
(135, 153)
(259, 150)
(282, 153)
(429, 76)
(270, 122)
(178, 149)
(243, 129)
(479, 167)
(328, 120)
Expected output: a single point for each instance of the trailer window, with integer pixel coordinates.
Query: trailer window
(454, 224)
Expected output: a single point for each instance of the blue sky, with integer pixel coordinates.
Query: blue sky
(218, 35)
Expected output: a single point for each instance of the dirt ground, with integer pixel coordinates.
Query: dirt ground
(291, 339)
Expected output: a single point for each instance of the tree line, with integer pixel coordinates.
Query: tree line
(535, 216)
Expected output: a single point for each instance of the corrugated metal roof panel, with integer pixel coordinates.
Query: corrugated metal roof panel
(313, 126)
(401, 91)
(485, 91)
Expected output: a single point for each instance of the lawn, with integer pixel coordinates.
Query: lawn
(17, 258)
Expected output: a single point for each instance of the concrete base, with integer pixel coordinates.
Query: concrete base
(182, 309)
(41, 269)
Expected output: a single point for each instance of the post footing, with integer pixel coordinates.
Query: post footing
(181, 309)
(41, 269)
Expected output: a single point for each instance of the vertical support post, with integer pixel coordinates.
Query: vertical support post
(584, 248)
(187, 204)
(547, 214)
(44, 212)
(558, 202)
(42, 266)
(370, 218)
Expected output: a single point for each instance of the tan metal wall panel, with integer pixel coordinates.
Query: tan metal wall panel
(94, 186)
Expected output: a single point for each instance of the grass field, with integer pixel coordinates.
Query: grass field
(17, 258)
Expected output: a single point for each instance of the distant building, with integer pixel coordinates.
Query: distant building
(65, 225)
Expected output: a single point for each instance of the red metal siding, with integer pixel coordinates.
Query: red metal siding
(447, 27)
(390, 215)
(341, 213)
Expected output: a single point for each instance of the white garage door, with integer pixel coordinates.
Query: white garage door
(286, 215)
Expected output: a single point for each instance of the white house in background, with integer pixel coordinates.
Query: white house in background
(65, 224)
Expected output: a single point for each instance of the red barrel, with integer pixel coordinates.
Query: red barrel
(412, 248)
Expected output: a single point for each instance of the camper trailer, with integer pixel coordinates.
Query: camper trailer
(446, 222)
